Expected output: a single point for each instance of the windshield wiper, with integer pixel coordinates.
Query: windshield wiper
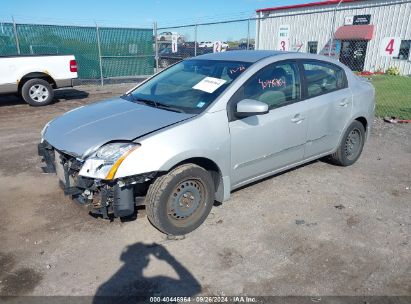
(145, 101)
(156, 104)
(169, 108)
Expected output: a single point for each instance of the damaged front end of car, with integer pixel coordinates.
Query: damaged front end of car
(103, 194)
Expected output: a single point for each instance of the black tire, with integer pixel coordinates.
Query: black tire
(43, 96)
(354, 136)
(187, 184)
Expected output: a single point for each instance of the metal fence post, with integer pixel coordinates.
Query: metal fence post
(16, 37)
(99, 55)
(332, 28)
(155, 45)
(195, 40)
(332, 35)
(257, 34)
(248, 34)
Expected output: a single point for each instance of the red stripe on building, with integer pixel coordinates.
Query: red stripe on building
(287, 7)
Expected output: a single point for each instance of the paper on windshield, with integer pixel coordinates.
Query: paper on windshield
(209, 84)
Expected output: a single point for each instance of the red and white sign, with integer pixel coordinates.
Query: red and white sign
(297, 46)
(390, 46)
(217, 46)
(283, 44)
(174, 45)
(348, 20)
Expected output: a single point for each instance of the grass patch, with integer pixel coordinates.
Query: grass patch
(393, 95)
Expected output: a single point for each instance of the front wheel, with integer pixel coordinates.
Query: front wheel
(180, 201)
(37, 92)
(351, 145)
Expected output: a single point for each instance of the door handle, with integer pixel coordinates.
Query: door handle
(344, 102)
(297, 118)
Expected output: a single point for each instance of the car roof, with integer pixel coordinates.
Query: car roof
(241, 55)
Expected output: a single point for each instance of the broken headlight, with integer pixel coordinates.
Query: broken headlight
(103, 163)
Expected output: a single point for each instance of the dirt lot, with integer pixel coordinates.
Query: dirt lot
(315, 230)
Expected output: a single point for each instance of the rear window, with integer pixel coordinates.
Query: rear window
(322, 78)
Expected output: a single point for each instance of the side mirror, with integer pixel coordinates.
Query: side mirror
(250, 107)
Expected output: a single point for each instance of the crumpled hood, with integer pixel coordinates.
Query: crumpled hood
(80, 130)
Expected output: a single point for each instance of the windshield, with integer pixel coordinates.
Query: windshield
(189, 86)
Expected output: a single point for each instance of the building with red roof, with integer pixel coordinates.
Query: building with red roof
(367, 35)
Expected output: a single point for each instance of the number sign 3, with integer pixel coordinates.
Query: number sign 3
(283, 44)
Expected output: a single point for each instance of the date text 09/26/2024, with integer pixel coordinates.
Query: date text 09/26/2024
(204, 299)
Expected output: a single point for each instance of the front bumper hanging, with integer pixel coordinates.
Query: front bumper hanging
(45, 150)
(108, 198)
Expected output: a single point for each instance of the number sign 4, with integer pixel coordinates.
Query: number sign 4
(390, 46)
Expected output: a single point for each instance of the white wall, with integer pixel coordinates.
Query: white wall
(390, 19)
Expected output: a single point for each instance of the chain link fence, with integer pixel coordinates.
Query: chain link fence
(187, 46)
(101, 52)
(7, 40)
(373, 38)
(198, 39)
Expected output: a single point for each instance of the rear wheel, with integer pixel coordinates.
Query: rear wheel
(37, 92)
(180, 201)
(351, 145)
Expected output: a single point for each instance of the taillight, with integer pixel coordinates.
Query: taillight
(73, 66)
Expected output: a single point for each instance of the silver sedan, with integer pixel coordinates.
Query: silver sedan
(189, 135)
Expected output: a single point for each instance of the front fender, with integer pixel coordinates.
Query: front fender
(204, 136)
(145, 160)
(207, 136)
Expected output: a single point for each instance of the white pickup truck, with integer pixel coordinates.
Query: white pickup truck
(34, 77)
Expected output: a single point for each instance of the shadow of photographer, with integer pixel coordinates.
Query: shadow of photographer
(129, 280)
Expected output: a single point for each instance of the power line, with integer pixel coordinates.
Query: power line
(216, 17)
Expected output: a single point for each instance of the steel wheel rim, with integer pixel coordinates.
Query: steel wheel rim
(163, 63)
(187, 202)
(38, 93)
(353, 144)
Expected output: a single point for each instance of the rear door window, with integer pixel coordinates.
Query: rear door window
(322, 78)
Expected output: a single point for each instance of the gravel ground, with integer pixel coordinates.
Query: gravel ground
(315, 230)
